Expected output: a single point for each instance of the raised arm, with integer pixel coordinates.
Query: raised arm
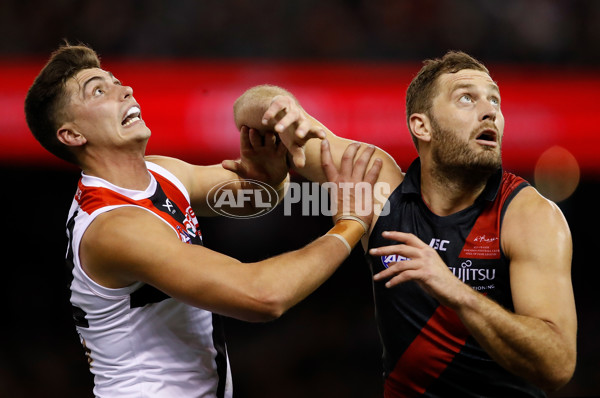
(262, 158)
(129, 244)
(272, 108)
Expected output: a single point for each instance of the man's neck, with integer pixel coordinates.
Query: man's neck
(447, 192)
(125, 171)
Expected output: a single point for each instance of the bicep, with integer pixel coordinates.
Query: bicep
(537, 240)
(133, 245)
(198, 180)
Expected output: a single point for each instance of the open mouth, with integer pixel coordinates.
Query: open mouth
(133, 115)
(487, 137)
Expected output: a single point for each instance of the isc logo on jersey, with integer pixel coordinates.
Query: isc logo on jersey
(437, 244)
(392, 258)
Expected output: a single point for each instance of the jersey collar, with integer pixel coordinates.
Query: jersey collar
(412, 182)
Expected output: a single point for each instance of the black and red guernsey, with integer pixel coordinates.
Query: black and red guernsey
(427, 351)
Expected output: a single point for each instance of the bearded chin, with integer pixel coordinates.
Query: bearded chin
(457, 160)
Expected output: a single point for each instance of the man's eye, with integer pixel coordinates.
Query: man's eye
(98, 91)
(466, 98)
(495, 101)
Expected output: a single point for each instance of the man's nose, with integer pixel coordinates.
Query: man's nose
(488, 111)
(127, 92)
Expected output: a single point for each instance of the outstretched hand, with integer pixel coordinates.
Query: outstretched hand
(352, 184)
(423, 265)
(292, 124)
(262, 157)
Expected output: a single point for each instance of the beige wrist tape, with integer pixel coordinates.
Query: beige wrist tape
(348, 232)
(344, 241)
(354, 218)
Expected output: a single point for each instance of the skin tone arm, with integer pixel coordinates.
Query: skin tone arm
(272, 108)
(129, 244)
(538, 340)
(262, 158)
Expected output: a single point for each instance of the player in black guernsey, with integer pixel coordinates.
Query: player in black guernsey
(471, 265)
(427, 348)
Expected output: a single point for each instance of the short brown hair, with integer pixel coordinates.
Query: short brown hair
(422, 89)
(46, 98)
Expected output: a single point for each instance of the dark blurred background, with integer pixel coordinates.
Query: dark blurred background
(327, 346)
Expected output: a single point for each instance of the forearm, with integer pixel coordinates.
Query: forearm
(312, 169)
(287, 279)
(250, 108)
(526, 346)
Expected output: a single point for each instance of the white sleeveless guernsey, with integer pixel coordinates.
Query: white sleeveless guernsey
(139, 341)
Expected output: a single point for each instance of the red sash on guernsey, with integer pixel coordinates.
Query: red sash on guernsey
(172, 206)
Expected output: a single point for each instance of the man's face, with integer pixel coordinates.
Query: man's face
(103, 110)
(467, 123)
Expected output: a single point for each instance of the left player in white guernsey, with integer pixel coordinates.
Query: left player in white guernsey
(128, 351)
(143, 288)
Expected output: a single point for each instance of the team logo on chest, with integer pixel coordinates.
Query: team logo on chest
(392, 258)
(438, 244)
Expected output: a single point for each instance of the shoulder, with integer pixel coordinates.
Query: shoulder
(530, 204)
(197, 180)
(533, 222)
(180, 169)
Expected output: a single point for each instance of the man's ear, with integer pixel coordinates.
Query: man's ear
(68, 135)
(420, 126)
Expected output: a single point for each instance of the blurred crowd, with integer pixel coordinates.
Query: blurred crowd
(554, 31)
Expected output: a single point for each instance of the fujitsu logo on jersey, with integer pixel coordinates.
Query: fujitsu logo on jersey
(465, 273)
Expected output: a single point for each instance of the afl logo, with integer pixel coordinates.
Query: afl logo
(226, 199)
(392, 258)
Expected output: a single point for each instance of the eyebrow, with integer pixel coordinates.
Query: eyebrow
(459, 86)
(94, 78)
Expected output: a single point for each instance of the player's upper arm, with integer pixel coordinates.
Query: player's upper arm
(198, 180)
(537, 240)
(130, 244)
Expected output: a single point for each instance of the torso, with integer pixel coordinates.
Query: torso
(140, 341)
(427, 350)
